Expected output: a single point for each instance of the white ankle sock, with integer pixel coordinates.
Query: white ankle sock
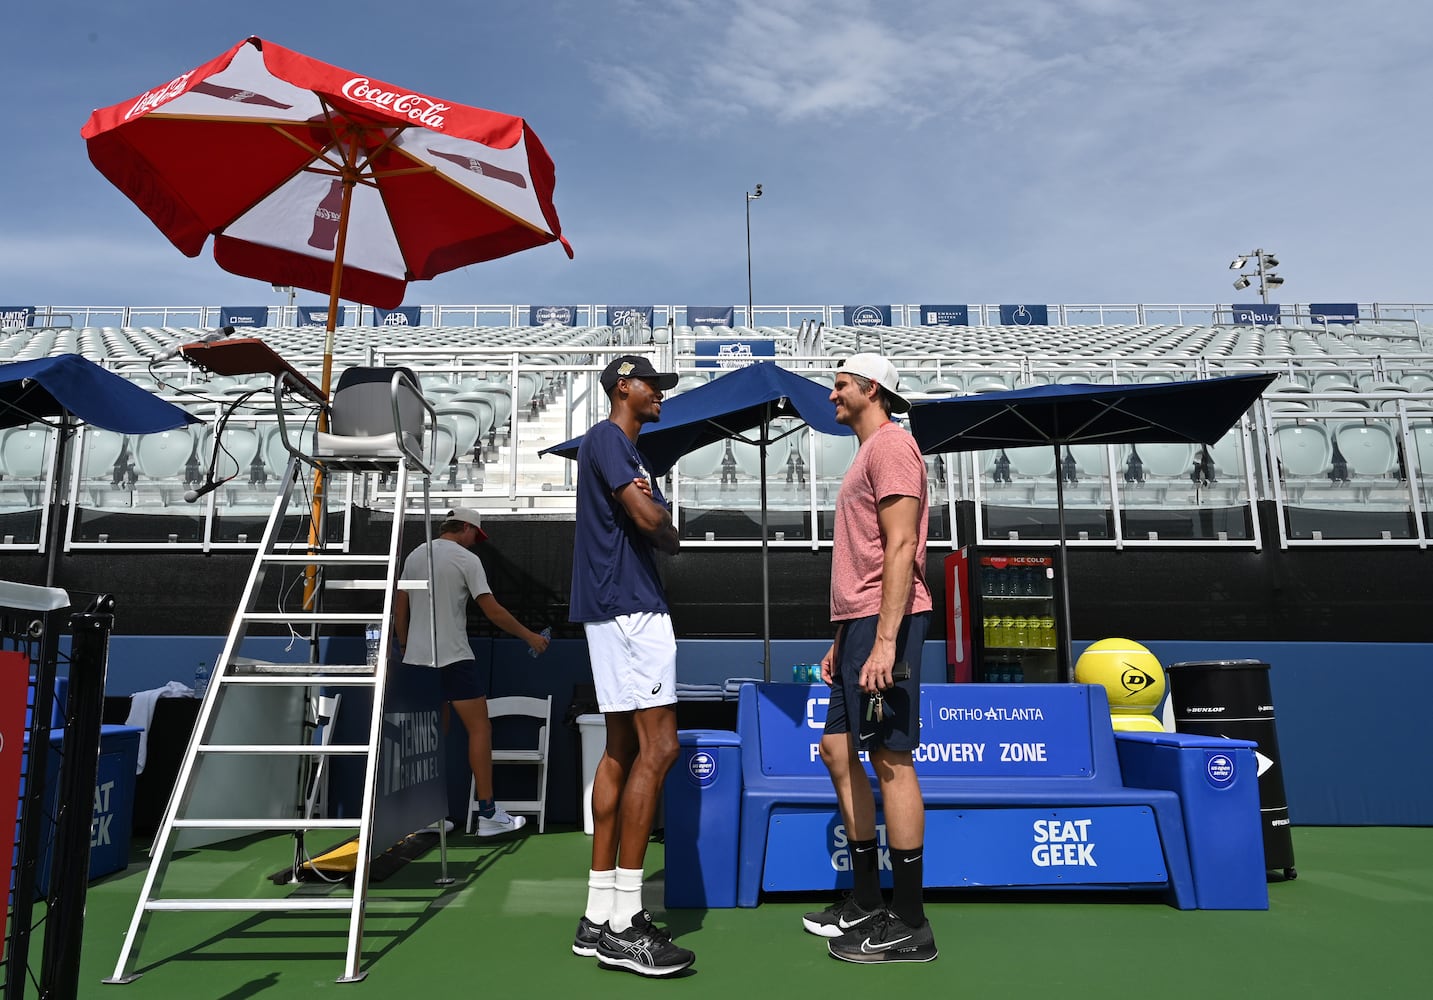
(600, 891)
(626, 898)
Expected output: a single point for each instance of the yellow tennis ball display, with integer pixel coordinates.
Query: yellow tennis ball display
(1129, 673)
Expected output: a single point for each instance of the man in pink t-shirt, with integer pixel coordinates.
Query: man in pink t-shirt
(881, 607)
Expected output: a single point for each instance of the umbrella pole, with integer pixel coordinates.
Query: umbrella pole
(317, 512)
(765, 577)
(54, 528)
(1064, 564)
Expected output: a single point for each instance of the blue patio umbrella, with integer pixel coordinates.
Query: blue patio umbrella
(742, 400)
(67, 390)
(1199, 411)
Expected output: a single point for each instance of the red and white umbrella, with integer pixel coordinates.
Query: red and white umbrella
(313, 176)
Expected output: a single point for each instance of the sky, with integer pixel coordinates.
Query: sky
(926, 151)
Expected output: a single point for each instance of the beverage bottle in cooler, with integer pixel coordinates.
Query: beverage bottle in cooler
(987, 630)
(325, 218)
(1022, 632)
(1017, 673)
(1027, 581)
(1047, 632)
(1007, 632)
(1002, 584)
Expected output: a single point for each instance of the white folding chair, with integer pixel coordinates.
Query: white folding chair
(533, 754)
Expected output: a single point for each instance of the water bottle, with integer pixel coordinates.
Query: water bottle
(201, 678)
(373, 639)
(546, 634)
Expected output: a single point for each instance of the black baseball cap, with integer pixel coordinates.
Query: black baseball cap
(634, 366)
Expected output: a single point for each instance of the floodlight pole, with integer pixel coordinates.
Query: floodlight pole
(750, 321)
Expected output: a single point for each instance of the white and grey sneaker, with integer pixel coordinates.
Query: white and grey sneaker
(500, 822)
(584, 942)
(643, 948)
(838, 918)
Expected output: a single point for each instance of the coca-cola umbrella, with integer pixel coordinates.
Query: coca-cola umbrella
(320, 178)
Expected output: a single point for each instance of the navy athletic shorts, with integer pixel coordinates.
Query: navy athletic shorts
(463, 681)
(899, 725)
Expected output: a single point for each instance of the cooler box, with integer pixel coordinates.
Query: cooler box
(703, 819)
(1217, 781)
(113, 803)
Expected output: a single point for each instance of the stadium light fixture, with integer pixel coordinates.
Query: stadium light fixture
(1264, 263)
(750, 197)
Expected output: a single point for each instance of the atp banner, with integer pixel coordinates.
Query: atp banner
(243, 315)
(1024, 314)
(710, 315)
(733, 353)
(945, 316)
(16, 315)
(1333, 312)
(318, 316)
(1258, 313)
(628, 315)
(866, 315)
(402, 316)
(552, 316)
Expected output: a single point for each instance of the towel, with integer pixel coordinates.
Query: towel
(141, 711)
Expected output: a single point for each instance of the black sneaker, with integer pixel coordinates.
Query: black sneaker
(584, 943)
(838, 918)
(643, 948)
(885, 939)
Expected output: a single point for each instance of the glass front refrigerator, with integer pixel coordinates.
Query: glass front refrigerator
(1004, 620)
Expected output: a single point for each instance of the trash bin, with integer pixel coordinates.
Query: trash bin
(593, 731)
(703, 806)
(1217, 784)
(1231, 698)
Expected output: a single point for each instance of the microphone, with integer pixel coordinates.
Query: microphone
(209, 487)
(208, 338)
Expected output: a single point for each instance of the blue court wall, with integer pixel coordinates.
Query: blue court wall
(1350, 717)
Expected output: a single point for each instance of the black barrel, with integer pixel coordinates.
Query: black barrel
(1231, 698)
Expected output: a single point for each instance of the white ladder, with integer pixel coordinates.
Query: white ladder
(262, 683)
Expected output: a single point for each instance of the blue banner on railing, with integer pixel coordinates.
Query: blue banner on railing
(945, 316)
(552, 316)
(733, 353)
(866, 315)
(627, 315)
(243, 315)
(411, 792)
(318, 316)
(1030, 730)
(402, 316)
(1333, 312)
(710, 315)
(1258, 313)
(16, 315)
(1024, 314)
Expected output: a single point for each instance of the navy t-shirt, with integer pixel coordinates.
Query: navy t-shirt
(614, 571)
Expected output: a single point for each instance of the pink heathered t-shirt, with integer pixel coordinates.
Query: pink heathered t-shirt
(888, 464)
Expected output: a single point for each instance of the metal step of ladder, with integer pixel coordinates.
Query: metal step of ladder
(263, 694)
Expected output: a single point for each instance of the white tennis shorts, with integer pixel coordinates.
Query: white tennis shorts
(634, 661)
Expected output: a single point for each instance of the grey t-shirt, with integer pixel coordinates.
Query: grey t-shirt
(460, 579)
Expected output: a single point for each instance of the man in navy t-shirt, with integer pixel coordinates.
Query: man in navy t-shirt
(617, 595)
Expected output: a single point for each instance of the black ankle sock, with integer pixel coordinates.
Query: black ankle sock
(908, 871)
(866, 874)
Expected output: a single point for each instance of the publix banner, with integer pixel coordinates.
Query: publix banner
(402, 316)
(1257, 313)
(945, 316)
(1024, 315)
(627, 315)
(16, 315)
(552, 316)
(710, 315)
(318, 316)
(243, 315)
(733, 353)
(866, 315)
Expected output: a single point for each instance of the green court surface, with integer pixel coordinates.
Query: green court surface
(1358, 921)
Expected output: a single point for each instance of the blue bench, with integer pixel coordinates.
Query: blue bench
(1023, 787)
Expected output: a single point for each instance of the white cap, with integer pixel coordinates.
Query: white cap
(469, 516)
(880, 371)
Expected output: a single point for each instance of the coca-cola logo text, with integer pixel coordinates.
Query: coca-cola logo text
(160, 95)
(423, 110)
